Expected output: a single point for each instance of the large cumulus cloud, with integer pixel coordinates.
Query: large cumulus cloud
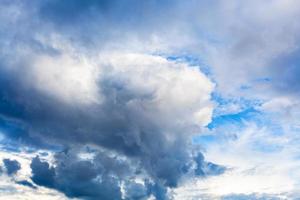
(144, 108)
(61, 90)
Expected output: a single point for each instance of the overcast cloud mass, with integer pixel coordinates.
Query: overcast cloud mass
(149, 100)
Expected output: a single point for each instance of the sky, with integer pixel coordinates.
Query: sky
(149, 100)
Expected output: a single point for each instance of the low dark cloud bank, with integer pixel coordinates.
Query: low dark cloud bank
(103, 176)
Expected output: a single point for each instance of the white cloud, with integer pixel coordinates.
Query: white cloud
(69, 78)
(251, 36)
(258, 161)
(179, 91)
(180, 94)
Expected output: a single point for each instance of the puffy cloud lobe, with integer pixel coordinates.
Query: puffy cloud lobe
(12, 166)
(94, 183)
(42, 173)
(99, 178)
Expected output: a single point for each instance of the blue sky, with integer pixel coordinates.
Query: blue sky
(149, 100)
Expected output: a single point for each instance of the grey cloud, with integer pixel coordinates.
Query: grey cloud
(26, 183)
(101, 176)
(136, 191)
(145, 120)
(42, 173)
(285, 76)
(204, 168)
(12, 166)
(81, 178)
(261, 39)
(113, 125)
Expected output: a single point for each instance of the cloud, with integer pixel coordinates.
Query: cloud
(67, 177)
(19, 185)
(260, 161)
(207, 168)
(61, 93)
(253, 196)
(149, 110)
(96, 75)
(26, 183)
(42, 173)
(12, 166)
(106, 174)
(255, 50)
(101, 178)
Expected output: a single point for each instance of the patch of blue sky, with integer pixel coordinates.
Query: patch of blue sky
(242, 102)
(249, 114)
(225, 131)
(204, 139)
(231, 126)
(223, 122)
(191, 60)
(244, 117)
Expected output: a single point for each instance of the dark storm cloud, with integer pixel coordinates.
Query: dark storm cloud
(12, 166)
